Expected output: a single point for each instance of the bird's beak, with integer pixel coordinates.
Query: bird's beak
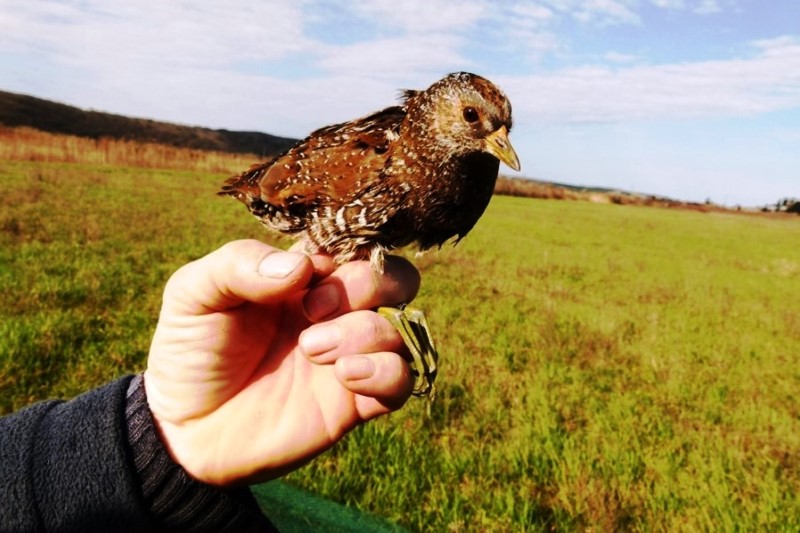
(497, 144)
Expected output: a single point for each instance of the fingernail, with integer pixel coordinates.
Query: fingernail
(321, 302)
(317, 340)
(355, 368)
(279, 264)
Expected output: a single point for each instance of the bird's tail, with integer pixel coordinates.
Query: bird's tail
(244, 187)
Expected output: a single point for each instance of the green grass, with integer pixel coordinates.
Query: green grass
(603, 367)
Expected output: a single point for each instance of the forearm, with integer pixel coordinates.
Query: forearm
(96, 463)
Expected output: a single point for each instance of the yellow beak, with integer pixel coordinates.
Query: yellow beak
(497, 144)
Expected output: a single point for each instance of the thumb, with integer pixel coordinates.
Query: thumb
(240, 271)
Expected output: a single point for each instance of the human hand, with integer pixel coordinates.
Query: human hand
(263, 359)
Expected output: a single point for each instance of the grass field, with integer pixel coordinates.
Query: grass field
(603, 367)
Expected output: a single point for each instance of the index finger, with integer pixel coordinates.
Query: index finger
(356, 286)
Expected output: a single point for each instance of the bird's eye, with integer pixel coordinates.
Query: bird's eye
(470, 114)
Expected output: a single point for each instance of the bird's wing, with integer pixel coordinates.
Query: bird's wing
(335, 161)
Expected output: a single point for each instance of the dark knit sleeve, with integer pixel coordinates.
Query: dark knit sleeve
(177, 501)
(69, 466)
(65, 468)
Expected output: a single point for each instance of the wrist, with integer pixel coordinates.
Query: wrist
(175, 499)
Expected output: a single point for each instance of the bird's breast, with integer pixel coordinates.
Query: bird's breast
(449, 201)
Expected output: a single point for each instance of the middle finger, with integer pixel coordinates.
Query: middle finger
(355, 285)
(359, 332)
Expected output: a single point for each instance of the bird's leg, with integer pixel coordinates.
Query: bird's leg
(416, 333)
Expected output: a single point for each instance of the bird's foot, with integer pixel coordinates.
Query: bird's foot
(416, 333)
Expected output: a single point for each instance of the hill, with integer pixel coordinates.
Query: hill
(27, 111)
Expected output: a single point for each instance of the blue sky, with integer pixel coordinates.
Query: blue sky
(691, 99)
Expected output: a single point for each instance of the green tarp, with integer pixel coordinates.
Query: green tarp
(294, 510)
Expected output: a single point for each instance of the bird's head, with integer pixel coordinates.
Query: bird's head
(465, 113)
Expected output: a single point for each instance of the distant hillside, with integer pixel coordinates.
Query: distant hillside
(23, 110)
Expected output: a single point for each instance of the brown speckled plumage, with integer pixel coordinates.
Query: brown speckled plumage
(422, 172)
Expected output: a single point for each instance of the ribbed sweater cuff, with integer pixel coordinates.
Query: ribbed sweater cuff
(176, 500)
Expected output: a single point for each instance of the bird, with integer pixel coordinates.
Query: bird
(422, 172)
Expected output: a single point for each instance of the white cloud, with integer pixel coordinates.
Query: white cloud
(529, 14)
(617, 57)
(778, 46)
(421, 16)
(767, 82)
(525, 27)
(606, 12)
(669, 4)
(701, 7)
(590, 12)
(707, 7)
(402, 57)
(106, 36)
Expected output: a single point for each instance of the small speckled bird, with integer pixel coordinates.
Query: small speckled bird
(422, 172)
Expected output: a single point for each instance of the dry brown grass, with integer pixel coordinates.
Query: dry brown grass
(523, 187)
(27, 144)
(534, 189)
